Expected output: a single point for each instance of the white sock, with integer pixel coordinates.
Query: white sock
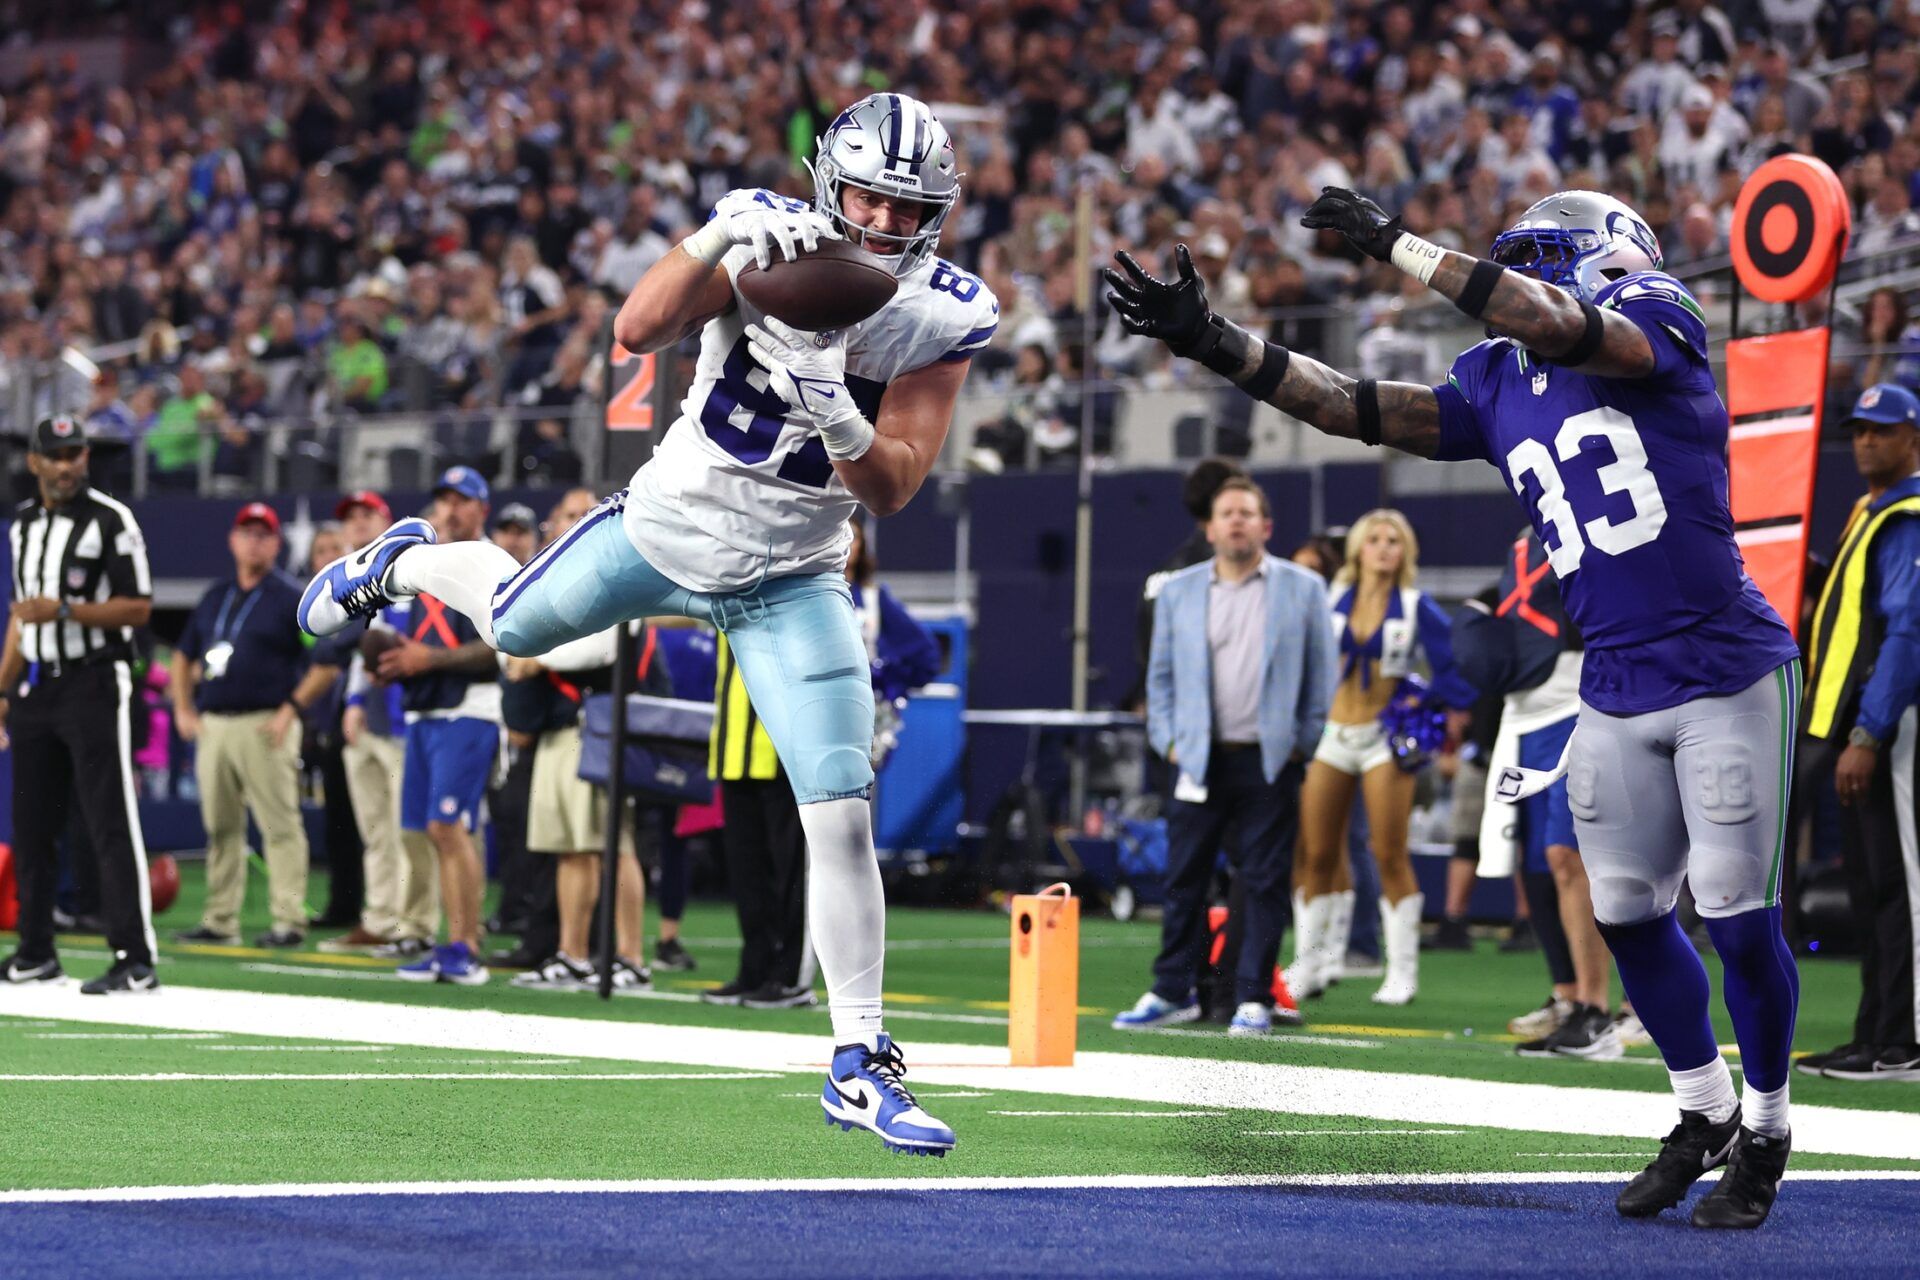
(463, 575)
(846, 914)
(1707, 1088)
(1764, 1113)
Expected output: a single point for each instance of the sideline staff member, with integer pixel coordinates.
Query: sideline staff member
(239, 688)
(1238, 690)
(1863, 678)
(80, 587)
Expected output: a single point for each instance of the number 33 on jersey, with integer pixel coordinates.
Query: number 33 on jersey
(741, 487)
(1626, 481)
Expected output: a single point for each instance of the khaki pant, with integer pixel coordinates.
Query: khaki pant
(240, 771)
(402, 898)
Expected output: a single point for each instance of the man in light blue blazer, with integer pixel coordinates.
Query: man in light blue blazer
(1239, 681)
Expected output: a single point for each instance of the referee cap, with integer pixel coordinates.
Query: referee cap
(61, 431)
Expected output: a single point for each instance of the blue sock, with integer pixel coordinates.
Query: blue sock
(1667, 984)
(1762, 992)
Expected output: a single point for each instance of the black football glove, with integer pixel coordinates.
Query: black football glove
(1364, 223)
(1175, 312)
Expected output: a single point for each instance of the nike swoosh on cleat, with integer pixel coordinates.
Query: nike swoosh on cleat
(858, 1102)
(1713, 1159)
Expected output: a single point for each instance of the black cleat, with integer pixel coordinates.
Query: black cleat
(669, 954)
(20, 970)
(1588, 1032)
(778, 995)
(282, 939)
(732, 993)
(1745, 1193)
(1813, 1064)
(125, 978)
(1696, 1146)
(1452, 935)
(1895, 1062)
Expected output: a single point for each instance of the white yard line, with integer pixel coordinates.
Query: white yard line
(295, 1048)
(1105, 1115)
(125, 1035)
(176, 1077)
(889, 1186)
(1401, 1098)
(1347, 1133)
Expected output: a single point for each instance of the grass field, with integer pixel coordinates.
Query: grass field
(306, 1078)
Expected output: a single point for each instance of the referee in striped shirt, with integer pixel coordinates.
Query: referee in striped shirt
(80, 587)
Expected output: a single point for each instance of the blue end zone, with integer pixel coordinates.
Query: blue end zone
(1863, 1228)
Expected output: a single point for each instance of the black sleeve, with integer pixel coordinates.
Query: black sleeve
(126, 555)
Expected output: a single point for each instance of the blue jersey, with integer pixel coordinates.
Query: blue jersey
(1625, 480)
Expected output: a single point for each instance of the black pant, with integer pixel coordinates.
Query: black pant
(520, 871)
(766, 853)
(71, 744)
(346, 855)
(1256, 821)
(1878, 857)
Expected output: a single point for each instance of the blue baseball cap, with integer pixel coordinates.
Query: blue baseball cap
(466, 482)
(1885, 403)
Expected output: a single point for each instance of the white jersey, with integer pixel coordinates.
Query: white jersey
(741, 488)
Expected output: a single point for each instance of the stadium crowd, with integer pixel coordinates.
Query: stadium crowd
(311, 210)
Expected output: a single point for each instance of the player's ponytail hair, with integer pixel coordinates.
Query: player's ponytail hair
(1357, 538)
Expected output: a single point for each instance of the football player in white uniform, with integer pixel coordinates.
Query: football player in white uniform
(740, 519)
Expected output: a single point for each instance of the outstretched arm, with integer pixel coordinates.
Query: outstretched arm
(1402, 414)
(1542, 317)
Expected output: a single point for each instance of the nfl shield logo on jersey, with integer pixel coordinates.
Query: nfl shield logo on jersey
(76, 579)
(1540, 383)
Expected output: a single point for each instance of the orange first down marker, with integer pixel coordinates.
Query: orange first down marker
(1044, 984)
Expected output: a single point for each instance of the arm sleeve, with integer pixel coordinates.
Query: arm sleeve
(1160, 678)
(1318, 674)
(908, 656)
(127, 572)
(1895, 683)
(1436, 637)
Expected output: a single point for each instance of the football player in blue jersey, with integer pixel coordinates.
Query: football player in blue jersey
(1594, 397)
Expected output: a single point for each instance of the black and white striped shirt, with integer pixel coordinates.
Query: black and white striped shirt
(87, 551)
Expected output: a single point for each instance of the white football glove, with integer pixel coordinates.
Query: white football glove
(812, 378)
(791, 232)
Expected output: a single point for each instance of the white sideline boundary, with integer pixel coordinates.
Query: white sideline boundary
(889, 1186)
(1198, 1083)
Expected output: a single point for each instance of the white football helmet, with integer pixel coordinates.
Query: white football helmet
(1581, 241)
(890, 144)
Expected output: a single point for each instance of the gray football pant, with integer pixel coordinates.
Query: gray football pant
(1695, 792)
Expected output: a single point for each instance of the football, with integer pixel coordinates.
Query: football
(163, 880)
(837, 285)
(375, 642)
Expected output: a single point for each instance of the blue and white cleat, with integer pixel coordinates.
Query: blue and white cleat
(354, 585)
(1156, 1011)
(1251, 1019)
(863, 1090)
(425, 969)
(459, 965)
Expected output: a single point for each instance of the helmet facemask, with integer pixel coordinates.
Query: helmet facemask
(892, 146)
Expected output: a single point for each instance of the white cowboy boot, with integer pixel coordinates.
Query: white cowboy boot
(1400, 932)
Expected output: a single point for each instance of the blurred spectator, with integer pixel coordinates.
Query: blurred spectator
(357, 366)
(181, 436)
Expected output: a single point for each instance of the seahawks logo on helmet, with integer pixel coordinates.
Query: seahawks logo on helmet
(1580, 241)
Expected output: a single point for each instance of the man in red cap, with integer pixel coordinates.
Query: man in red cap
(238, 691)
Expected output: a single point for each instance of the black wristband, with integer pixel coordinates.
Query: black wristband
(1273, 367)
(1480, 282)
(1206, 343)
(1590, 340)
(1366, 399)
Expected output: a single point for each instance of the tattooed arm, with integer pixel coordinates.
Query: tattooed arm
(1328, 399)
(1549, 320)
(1176, 312)
(1535, 314)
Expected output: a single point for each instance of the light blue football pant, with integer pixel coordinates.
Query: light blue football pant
(795, 638)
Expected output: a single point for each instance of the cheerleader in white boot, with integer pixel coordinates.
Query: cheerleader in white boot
(1385, 625)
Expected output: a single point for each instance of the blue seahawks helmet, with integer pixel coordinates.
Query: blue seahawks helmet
(1581, 241)
(890, 144)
